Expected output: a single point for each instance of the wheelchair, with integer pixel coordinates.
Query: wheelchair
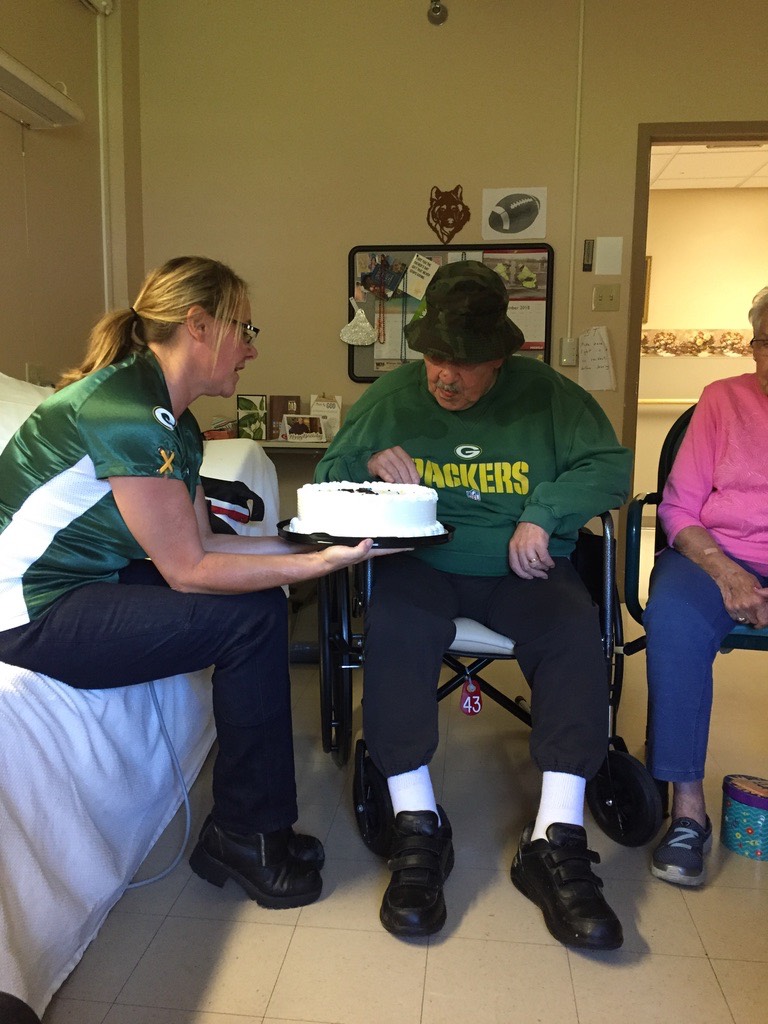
(740, 637)
(622, 797)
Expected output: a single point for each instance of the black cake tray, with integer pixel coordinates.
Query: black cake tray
(326, 539)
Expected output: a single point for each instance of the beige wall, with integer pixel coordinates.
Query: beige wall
(278, 135)
(710, 256)
(709, 259)
(299, 130)
(51, 277)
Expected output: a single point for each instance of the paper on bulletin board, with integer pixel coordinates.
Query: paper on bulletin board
(596, 371)
(531, 318)
(420, 272)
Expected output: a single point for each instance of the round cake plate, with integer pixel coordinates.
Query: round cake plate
(325, 539)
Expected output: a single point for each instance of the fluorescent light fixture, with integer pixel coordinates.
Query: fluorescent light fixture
(29, 99)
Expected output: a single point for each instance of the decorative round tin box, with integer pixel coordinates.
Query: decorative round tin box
(745, 816)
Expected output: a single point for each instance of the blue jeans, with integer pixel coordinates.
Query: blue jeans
(105, 635)
(685, 623)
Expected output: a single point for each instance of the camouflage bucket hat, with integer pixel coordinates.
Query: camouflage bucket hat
(465, 318)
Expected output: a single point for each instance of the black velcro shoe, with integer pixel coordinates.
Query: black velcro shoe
(556, 874)
(268, 865)
(420, 859)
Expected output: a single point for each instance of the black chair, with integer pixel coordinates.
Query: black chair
(740, 637)
(622, 797)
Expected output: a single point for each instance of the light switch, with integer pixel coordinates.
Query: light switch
(606, 297)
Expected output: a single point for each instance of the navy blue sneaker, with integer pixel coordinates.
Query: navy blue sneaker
(679, 857)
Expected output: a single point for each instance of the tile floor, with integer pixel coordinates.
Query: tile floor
(183, 952)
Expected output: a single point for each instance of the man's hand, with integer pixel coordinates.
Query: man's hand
(393, 466)
(529, 555)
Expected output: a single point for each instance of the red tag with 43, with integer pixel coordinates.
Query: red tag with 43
(471, 697)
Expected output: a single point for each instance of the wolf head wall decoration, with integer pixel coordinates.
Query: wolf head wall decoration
(447, 213)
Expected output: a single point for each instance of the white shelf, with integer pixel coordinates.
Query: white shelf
(294, 445)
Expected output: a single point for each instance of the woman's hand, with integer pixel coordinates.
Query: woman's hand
(761, 617)
(529, 555)
(393, 466)
(340, 555)
(744, 599)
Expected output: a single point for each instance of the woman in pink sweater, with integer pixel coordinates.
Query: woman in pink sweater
(713, 574)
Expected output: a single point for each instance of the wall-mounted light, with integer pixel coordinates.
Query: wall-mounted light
(437, 13)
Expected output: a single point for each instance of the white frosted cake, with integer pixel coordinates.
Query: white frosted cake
(344, 509)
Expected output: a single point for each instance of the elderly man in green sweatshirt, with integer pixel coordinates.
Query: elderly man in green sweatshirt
(520, 458)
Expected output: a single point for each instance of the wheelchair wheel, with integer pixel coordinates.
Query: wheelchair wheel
(335, 666)
(624, 800)
(372, 805)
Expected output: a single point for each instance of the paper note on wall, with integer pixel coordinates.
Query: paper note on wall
(595, 361)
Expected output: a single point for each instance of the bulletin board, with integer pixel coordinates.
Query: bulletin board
(387, 283)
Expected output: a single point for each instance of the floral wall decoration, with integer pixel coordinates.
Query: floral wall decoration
(677, 342)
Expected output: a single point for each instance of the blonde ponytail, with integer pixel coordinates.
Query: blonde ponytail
(162, 304)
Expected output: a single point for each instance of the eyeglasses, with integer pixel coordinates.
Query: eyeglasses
(250, 333)
(760, 343)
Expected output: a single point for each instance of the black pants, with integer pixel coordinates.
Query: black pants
(108, 635)
(556, 630)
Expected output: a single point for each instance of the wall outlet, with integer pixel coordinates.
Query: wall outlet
(606, 297)
(35, 373)
(569, 351)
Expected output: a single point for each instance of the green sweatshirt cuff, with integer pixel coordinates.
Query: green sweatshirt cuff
(541, 516)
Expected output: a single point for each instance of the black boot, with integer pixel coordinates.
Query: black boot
(556, 874)
(302, 848)
(15, 1011)
(277, 869)
(421, 858)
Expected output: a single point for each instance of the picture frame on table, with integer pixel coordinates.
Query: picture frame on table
(302, 428)
(279, 406)
(252, 417)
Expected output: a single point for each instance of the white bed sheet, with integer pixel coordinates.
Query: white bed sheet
(86, 788)
(86, 781)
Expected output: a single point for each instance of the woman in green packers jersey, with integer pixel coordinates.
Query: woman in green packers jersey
(111, 575)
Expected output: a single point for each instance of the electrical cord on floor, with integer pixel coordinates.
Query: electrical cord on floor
(187, 809)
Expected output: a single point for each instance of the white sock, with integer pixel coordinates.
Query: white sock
(412, 791)
(562, 799)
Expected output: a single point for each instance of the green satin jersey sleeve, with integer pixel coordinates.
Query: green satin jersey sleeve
(536, 448)
(59, 525)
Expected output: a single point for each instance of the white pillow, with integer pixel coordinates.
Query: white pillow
(18, 399)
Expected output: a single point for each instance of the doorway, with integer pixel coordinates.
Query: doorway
(701, 213)
(653, 141)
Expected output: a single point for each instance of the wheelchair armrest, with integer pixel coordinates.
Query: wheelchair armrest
(632, 566)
